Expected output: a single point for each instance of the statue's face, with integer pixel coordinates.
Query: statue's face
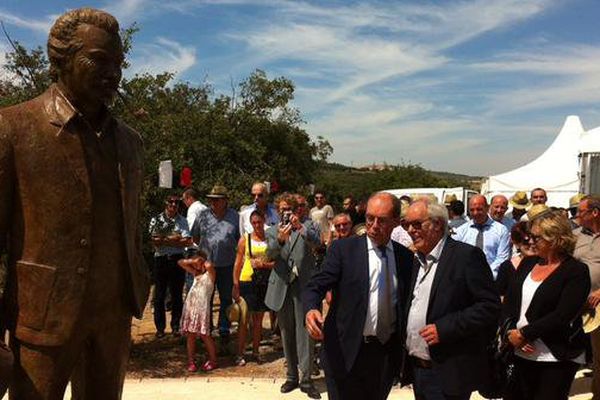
(93, 73)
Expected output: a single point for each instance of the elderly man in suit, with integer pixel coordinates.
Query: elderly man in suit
(71, 178)
(453, 310)
(367, 276)
(291, 244)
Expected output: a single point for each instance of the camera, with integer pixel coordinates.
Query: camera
(286, 218)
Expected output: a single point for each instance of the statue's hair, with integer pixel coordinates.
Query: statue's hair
(62, 41)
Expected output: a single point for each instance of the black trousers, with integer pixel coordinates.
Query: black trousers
(370, 378)
(537, 380)
(167, 274)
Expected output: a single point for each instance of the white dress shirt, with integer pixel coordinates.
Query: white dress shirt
(417, 316)
(193, 211)
(375, 269)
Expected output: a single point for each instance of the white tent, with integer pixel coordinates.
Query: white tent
(556, 170)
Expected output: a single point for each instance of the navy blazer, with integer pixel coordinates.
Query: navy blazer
(346, 272)
(464, 306)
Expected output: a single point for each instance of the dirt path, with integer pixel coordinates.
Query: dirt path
(166, 357)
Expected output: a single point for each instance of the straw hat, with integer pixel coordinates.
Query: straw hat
(591, 319)
(536, 210)
(218, 192)
(238, 312)
(575, 200)
(359, 229)
(519, 200)
(449, 198)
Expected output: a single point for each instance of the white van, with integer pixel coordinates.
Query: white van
(440, 194)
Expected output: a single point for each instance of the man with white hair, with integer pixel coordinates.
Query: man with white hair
(452, 308)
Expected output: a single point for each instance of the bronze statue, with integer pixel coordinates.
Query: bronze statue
(70, 183)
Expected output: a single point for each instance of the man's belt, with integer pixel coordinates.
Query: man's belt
(421, 363)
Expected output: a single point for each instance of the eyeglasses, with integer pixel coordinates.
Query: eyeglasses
(259, 195)
(417, 225)
(341, 225)
(371, 219)
(534, 238)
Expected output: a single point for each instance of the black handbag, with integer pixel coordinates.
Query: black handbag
(501, 363)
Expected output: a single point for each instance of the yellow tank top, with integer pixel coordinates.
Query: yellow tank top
(259, 249)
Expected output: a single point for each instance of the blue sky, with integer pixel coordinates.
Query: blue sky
(474, 87)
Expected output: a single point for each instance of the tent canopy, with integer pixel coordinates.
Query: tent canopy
(556, 170)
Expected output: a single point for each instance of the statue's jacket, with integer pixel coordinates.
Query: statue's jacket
(46, 217)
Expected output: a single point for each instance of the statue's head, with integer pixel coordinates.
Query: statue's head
(86, 54)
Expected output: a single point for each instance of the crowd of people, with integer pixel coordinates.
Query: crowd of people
(407, 290)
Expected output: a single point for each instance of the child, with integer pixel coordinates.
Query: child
(195, 320)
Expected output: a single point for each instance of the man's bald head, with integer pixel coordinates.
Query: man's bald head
(382, 216)
(478, 208)
(498, 207)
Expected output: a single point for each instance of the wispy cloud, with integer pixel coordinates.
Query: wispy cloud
(411, 80)
(163, 55)
(561, 75)
(38, 25)
(128, 11)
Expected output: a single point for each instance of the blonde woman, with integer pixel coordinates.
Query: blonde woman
(545, 301)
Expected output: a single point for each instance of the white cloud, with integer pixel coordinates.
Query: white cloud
(163, 55)
(38, 25)
(128, 11)
(566, 75)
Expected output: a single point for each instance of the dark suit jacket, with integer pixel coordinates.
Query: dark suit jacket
(346, 272)
(554, 311)
(46, 216)
(464, 306)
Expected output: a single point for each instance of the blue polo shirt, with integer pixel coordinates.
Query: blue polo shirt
(218, 237)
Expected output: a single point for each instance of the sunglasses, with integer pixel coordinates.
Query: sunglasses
(417, 225)
(370, 220)
(534, 238)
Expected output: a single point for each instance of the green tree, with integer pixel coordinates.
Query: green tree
(232, 140)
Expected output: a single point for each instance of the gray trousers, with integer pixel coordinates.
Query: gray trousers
(298, 347)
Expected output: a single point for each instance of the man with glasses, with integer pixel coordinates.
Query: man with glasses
(291, 244)
(170, 235)
(342, 225)
(367, 276)
(453, 309)
(217, 232)
(260, 195)
(587, 250)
